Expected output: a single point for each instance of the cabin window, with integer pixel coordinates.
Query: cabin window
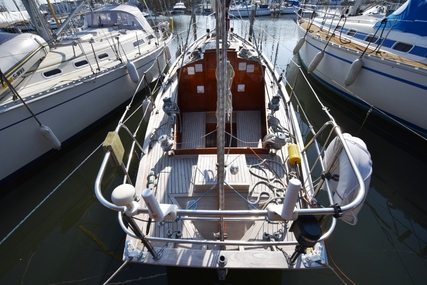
(250, 68)
(242, 65)
(190, 70)
(201, 89)
(351, 32)
(103, 55)
(81, 63)
(138, 42)
(112, 19)
(150, 37)
(403, 47)
(371, 38)
(240, 87)
(52, 72)
(199, 67)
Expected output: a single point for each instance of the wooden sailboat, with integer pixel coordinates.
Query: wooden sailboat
(224, 179)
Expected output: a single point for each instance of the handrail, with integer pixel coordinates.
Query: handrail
(120, 125)
(330, 210)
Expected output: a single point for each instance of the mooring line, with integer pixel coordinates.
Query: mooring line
(47, 197)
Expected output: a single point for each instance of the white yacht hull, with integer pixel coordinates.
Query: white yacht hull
(80, 80)
(395, 88)
(66, 111)
(243, 12)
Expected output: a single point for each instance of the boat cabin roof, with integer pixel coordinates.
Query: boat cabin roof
(121, 16)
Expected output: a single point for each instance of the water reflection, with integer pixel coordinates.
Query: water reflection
(392, 228)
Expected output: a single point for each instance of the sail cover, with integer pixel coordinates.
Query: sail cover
(411, 17)
(10, 18)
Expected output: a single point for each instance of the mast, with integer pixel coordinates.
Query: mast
(38, 20)
(69, 18)
(221, 40)
(53, 13)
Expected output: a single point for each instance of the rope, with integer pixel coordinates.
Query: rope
(15, 93)
(117, 271)
(69, 175)
(47, 197)
(278, 192)
(336, 266)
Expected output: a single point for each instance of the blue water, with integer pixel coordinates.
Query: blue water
(72, 239)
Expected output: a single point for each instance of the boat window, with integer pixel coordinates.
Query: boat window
(201, 89)
(81, 63)
(371, 38)
(403, 47)
(199, 67)
(52, 72)
(103, 55)
(351, 32)
(190, 70)
(150, 37)
(138, 42)
(113, 19)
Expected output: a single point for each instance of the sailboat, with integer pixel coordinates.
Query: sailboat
(179, 8)
(55, 85)
(225, 180)
(241, 9)
(375, 60)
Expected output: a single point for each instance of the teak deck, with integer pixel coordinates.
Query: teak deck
(186, 176)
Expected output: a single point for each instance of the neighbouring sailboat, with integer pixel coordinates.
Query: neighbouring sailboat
(56, 84)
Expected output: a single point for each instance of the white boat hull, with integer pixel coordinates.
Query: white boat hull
(66, 111)
(243, 12)
(83, 78)
(395, 88)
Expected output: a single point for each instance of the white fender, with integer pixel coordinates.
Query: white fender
(315, 62)
(354, 70)
(50, 137)
(298, 45)
(167, 53)
(345, 188)
(133, 73)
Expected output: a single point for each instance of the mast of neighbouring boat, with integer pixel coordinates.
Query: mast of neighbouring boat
(38, 21)
(221, 51)
(52, 11)
(355, 8)
(69, 18)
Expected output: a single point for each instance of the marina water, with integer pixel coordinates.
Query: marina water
(54, 231)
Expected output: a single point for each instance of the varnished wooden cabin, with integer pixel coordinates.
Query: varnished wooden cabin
(197, 101)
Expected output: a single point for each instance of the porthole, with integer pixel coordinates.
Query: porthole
(371, 38)
(102, 55)
(81, 63)
(351, 32)
(403, 47)
(52, 72)
(139, 42)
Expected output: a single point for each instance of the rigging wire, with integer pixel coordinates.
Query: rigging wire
(50, 194)
(72, 172)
